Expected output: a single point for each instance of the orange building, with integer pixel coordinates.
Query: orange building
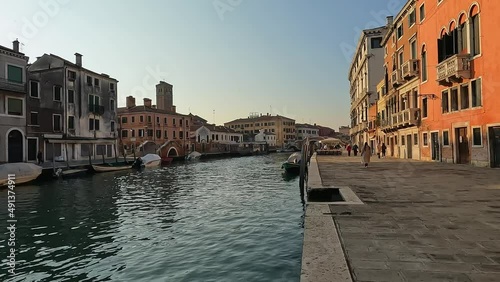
(144, 128)
(459, 61)
(399, 112)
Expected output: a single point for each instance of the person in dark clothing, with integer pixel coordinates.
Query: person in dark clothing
(40, 157)
(355, 149)
(384, 148)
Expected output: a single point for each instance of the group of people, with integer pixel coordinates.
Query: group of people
(366, 152)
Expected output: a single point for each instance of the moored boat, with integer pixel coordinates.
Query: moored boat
(193, 156)
(292, 165)
(22, 173)
(112, 166)
(150, 160)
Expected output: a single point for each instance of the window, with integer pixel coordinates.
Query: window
(89, 80)
(34, 118)
(412, 18)
(158, 120)
(71, 75)
(464, 96)
(454, 99)
(474, 32)
(141, 133)
(165, 120)
(445, 103)
(424, 107)
(56, 122)
(462, 37)
(422, 12)
(401, 58)
(71, 122)
(476, 92)
(413, 48)
(15, 106)
(57, 93)
(187, 123)
(415, 139)
(91, 124)
(124, 133)
(376, 42)
(149, 119)
(96, 82)
(96, 124)
(34, 89)
(446, 138)
(141, 119)
(71, 96)
(14, 74)
(132, 131)
(173, 135)
(150, 132)
(165, 134)
(112, 105)
(124, 119)
(111, 86)
(112, 126)
(477, 139)
(424, 66)
(425, 140)
(158, 134)
(402, 140)
(180, 122)
(399, 31)
(133, 119)
(173, 122)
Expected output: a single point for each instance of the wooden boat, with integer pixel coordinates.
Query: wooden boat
(151, 160)
(112, 166)
(292, 165)
(69, 173)
(23, 173)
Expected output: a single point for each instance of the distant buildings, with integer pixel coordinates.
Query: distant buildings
(344, 130)
(268, 137)
(365, 72)
(147, 127)
(212, 138)
(306, 130)
(13, 77)
(282, 127)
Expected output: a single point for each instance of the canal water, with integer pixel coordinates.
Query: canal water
(234, 219)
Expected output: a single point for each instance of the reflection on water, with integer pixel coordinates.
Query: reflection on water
(221, 220)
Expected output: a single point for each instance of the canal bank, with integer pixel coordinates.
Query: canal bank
(420, 221)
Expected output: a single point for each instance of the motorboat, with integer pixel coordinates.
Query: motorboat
(150, 160)
(193, 156)
(292, 165)
(19, 173)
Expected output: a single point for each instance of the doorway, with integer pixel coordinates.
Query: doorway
(409, 147)
(392, 146)
(15, 147)
(462, 145)
(494, 134)
(436, 156)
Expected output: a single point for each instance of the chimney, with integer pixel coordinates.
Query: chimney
(15, 46)
(78, 59)
(147, 102)
(130, 102)
(389, 20)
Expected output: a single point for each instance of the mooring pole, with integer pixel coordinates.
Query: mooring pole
(303, 163)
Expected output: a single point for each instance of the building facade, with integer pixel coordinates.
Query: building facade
(365, 73)
(400, 114)
(13, 77)
(460, 119)
(145, 128)
(306, 130)
(268, 137)
(71, 110)
(344, 130)
(282, 127)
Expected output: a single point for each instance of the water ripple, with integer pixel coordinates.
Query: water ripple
(221, 220)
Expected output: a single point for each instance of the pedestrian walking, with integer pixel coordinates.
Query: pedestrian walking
(349, 150)
(366, 154)
(379, 150)
(384, 148)
(355, 149)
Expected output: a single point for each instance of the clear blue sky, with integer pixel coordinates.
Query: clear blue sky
(287, 57)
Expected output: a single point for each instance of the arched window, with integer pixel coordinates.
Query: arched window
(474, 30)
(462, 34)
(424, 64)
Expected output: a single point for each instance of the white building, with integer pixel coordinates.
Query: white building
(210, 133)
(365, 72)
(306, 130)
(268, 137)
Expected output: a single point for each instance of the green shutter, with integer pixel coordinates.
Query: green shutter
(15, 74)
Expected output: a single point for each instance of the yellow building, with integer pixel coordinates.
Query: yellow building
(283, 127)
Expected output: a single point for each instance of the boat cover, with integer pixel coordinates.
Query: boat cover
(150, 158)
(19, 169)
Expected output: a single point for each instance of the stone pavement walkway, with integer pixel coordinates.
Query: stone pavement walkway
(421, 221)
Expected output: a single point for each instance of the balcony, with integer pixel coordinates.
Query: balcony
(410, 69)
(5, 84)
(454, 68)
(411, 117)
(96, 109)
(396, 79)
